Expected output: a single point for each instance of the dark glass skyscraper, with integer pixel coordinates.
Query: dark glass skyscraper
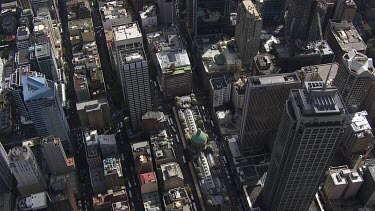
(211, 16)
(273, 12)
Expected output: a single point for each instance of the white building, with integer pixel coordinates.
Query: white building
(37, 201)
(356, 71)
(238, 93)
(26, 170)
(220, 90)
(115, 13)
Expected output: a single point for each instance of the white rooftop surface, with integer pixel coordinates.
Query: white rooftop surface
(127, 31)
(233, 146)
(114, 9)
(337, 179)
(359, 122)
(359, 63)
(178, 58)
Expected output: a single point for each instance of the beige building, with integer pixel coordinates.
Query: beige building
(248, 29)
(94, 112)
(172, 176)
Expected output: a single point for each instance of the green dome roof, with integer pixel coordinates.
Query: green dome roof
(199, 137)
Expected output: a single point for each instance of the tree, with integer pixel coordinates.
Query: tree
(200, 123)
(209, 202)
(184, 125)
(177, 99)
(178, 104)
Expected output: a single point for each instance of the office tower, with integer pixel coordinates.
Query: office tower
(310, 131)
(55, 156)
(92, 149)
(45, 61)
(45, 109)
(367, 191)
(24, 4)
(220, 90)
(248, 29)
(23, 38)
(207, 16)
(303, 20)
(345, 9)
(356, 71)
(263, 107)
(175, 74)
(6, 178)
(272, 11)
(358, 136)
(132, 67)
(26, 170)
(42, 5)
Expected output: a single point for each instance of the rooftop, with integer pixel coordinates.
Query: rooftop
(112, 166)
(359, 123)
(250, 7)
(33, 202)
(83, 24)
(171, 170)
(174, 62)
(97, 178)
(219, 53)
(19, 153)
(148, 11)
(347, 35)
(359, 63)
(132, 56)
(165, 40)
(92, 104)
(265, 64)
(240, 85)
(108, 196)
(127, 31)
(151, 201)
(147, 178)
(159, 116)
(114, 10)
(269, 80)
(220, 82)
(300, 49)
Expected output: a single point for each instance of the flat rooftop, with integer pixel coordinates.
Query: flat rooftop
(80, 24)
(266, 80)
(114, 10)
(112, 166)
(132, 56)
(347, 36)
(126, 31)
(174, 61)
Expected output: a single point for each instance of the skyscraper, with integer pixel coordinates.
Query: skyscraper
(310, 131)
(55, 156)
(263, 106)
(248, 28)
(6, 178)
(272, 12)
(356, 71)
(207, 16)
(45, 109)
(26, 170)
(304, 18)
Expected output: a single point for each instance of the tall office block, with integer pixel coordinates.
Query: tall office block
(26, 170)
(132, 67)
(356, 71)
(272, 12)
(345, 9)
(6, 178)
(263, 107)
(248, 28)
(45, 109)
(303, 19)
(207, 16)
(54, 154)
(310, 131)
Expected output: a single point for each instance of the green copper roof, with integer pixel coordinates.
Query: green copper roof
(199, 137)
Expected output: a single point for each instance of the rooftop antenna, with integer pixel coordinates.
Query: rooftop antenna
(329, 72)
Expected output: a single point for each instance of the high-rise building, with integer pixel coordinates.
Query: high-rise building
(207, 16)
(272, 11)
(263, 107)
(6, 178)
(356, 71)
(26, 170)
(45, 109)
(55, 156)
(93, 149)
(345, 9)
(304, 18)
(132, 67)
(248, 29)
(310, 132)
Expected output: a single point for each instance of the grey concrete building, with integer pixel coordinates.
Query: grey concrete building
(310, 131)
(248, 28)
(264, 103)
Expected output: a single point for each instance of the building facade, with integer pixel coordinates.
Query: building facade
(264, 103)
(248, 29)
(355, 74)
(45, 109)
(310, 132)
